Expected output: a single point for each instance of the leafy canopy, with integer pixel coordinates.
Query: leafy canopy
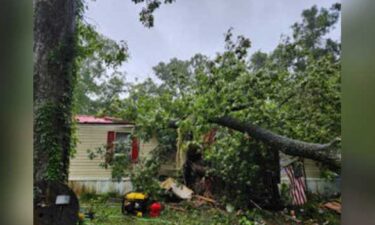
(99, 79)
(293, 90)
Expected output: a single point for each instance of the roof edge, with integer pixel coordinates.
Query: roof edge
(105, 120)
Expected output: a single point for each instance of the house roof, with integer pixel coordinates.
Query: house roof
(89, 119)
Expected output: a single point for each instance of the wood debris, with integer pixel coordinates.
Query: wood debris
(335, 206)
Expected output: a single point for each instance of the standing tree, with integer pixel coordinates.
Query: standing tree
(54, 77)
(55, 69)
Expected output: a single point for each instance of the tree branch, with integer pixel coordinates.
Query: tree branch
(323, 153)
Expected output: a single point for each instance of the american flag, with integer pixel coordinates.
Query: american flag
(297, 185)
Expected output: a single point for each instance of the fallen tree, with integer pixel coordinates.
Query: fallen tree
(323, 153)
(299, 91)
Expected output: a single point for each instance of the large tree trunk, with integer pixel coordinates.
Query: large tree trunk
(54, 50)
(323, 153)
(54, 30)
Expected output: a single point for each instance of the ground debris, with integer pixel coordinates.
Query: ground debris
(205, 210)
(333, 205)
(179, 190)
(205, 199)
(177, 208)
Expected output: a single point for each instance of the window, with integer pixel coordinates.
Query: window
(122, 143)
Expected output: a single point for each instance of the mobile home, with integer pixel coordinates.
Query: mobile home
(85, 174)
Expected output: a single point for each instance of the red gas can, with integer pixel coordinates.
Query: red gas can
(155, 209)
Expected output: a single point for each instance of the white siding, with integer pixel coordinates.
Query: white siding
(86, 175)
(147, 147)
(93, 136)
(315, 183)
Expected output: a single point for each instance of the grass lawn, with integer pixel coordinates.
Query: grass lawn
(109, 213)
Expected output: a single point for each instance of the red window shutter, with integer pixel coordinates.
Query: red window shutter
(135, 149)
(111, 136)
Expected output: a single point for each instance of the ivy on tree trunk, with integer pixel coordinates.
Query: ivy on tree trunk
(54, 77)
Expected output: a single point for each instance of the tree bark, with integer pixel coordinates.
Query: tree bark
(54, 41)
(54, 76)
(323, 153)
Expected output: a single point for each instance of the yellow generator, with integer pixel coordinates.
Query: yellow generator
(135, 203)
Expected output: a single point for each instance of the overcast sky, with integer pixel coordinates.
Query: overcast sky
(187, 27)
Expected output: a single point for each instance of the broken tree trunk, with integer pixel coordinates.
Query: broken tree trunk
(323, 153)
